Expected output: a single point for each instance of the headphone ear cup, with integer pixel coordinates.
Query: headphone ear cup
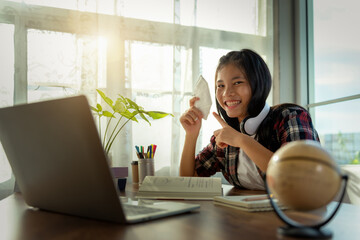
(242, 125)
(252, 124)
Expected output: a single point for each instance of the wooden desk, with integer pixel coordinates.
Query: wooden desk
(18, 221)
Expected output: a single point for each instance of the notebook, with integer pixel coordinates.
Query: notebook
(249, 203)
(195, 188)
(59, 164)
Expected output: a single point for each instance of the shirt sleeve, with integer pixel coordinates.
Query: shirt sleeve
(295, 124)
(207, 161)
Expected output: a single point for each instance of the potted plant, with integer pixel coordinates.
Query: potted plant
(124, 110)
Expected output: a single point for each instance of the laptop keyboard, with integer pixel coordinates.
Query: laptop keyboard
(131, 210)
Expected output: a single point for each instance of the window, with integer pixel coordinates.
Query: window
(335, 101)
(71, 47)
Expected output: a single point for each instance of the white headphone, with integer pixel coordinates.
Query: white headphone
(249, 125)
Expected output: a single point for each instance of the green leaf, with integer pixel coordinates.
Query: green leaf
(133, 118)
(94, 109)
(123, 100)
(119, 106)
(157, 114)
(99, 107)
(106, 99)
(133, 104)
(130, 115)
(108, 114)
(143, 117)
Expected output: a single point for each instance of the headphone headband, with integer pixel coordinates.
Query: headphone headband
(250, 125)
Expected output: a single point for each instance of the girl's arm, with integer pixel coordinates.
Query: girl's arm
(295, 124)
(191, 122)
(255, 151)
(187, 163)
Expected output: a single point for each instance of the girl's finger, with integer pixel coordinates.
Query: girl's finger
(193, 100)
(220, 120)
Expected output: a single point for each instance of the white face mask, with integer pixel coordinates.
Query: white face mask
(249, 125)
(202, 91)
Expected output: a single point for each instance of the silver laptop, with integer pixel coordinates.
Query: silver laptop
(59, 164)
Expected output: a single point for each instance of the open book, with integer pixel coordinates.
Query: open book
(200, 188)
(250, 203)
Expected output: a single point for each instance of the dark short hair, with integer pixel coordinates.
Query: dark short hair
(256, 72)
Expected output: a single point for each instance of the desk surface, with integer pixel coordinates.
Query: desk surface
(18, 221)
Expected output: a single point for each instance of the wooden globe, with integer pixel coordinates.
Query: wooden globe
(303, 176)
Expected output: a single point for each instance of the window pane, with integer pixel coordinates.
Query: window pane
(150, 73)
(336, 49)
(151, 66)
(154, 10)
(228, 15)
(68, 4)
(98, 6)
(339, 129)
(6, 85)
(187, 15)
(61, 64)
(7, 65)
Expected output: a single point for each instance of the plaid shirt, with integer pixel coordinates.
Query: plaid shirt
(293, 123)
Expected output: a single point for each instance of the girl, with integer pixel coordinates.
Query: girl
(251, 131)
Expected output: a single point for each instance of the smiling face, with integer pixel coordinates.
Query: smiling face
(233, 91)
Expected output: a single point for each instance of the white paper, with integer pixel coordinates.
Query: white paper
(181, 184)
(202, 91)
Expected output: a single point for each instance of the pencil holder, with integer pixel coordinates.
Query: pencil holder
(146, 168)
(135, 171)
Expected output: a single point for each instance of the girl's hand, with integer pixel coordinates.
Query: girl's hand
(226, 135)
(191, 119)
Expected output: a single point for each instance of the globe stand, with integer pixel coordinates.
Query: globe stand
(294, 229)
(305, 232)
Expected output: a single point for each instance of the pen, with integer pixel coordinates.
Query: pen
(138, 152)
(150, 152)
(155, 146)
